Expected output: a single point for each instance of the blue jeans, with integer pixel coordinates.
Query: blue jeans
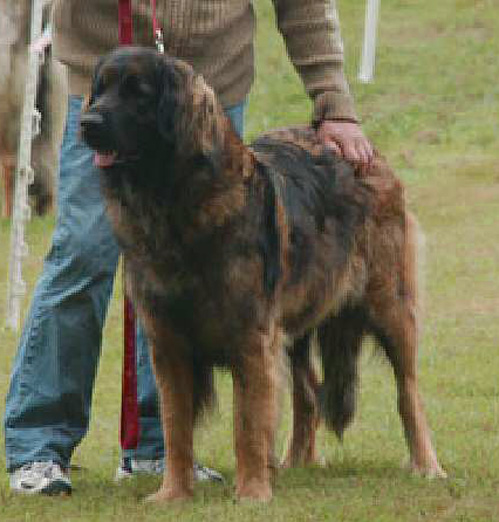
(49, 399)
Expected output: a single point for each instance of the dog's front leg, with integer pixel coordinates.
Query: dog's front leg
(174, 377)
(255, 416)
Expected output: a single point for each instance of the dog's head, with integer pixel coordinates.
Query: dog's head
(143, 102)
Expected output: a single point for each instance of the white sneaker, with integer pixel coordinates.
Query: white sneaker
(130, 467)
(204, 473)
(47, 478)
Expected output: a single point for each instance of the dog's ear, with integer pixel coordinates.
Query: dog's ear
(169, 88)
(189, 115)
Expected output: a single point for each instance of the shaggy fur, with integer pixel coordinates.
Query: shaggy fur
(232, 250)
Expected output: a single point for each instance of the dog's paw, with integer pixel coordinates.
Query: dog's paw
(254, 491)
(169, 495)
(432, 470)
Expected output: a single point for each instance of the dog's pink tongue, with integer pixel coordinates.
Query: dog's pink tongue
(104, 159)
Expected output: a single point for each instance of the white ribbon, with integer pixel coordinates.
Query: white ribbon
(24, 177)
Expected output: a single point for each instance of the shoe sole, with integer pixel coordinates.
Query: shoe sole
(58, 487)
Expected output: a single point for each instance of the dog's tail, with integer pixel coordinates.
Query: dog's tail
(340, 341)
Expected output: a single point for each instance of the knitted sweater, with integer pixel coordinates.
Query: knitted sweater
(216, 38)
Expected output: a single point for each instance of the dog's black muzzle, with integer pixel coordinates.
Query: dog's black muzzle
(95, 131)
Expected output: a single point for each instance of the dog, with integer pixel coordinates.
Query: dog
(51, 92)
(233, 252)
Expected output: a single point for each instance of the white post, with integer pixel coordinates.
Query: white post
(366, 72)
(24, 177)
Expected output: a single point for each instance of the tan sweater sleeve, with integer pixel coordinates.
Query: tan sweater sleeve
(311, 33)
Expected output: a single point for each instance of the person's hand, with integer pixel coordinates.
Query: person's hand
(347, 140)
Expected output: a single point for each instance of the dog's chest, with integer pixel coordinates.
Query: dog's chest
(203, 317)
(208, 288)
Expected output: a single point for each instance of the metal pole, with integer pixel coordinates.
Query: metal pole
(366, 72)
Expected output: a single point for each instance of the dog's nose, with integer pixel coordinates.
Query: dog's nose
(91, 119)
(92, 125)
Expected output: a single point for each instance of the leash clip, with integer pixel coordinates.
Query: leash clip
(159, 41)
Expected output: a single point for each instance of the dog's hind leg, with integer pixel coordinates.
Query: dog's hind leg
(255, 414)
(301, 450)
(395, 314)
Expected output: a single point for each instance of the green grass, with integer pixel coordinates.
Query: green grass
(434, 112)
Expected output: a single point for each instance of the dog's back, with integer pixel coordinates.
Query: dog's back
(331, 209)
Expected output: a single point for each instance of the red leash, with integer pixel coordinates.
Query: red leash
(125, 22)
(130, 419)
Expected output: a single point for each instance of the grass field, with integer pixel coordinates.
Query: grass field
(434, 112)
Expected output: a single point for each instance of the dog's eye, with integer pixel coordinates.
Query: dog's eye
(133, 85)
(130, 83)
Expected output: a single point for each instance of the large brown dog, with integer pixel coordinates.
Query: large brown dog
(232, 250)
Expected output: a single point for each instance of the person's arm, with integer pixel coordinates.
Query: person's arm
(312, 36)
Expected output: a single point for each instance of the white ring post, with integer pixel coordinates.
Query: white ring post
(366, 72)
(23, 178)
